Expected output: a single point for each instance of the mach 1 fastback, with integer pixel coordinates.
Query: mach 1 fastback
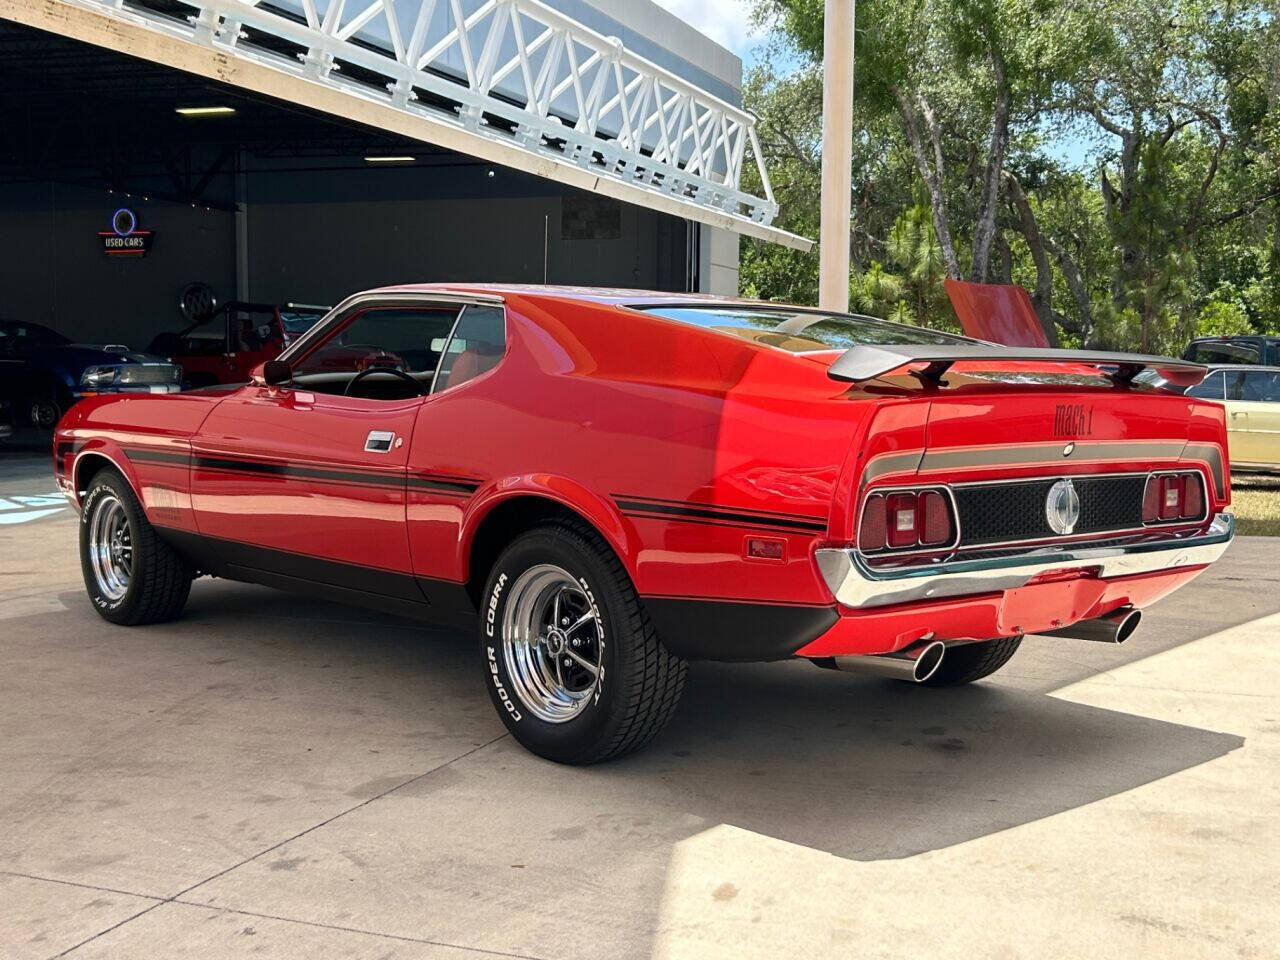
(605, 485)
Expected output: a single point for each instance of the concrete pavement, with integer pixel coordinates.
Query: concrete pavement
(275, 777)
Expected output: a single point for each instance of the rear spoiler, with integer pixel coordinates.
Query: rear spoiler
(869, 361)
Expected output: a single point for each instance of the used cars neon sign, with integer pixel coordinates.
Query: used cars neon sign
(124, 239)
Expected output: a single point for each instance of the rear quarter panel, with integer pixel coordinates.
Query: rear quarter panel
(676, 443)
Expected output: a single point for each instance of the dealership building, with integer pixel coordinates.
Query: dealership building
(160, 153)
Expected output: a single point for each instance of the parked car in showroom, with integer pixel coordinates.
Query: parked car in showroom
(1234, 350)
(1251, 395)
(225, 345)
(608, 484)
(43, 373)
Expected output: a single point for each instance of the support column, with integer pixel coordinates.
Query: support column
(242, 227)
(837, 154)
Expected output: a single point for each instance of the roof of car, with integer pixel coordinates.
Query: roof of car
(617, 296)
(1226, 338)
(1215, 367)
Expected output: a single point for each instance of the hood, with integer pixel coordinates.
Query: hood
(93, 353)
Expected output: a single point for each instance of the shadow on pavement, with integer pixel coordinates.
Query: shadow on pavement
(857, 767)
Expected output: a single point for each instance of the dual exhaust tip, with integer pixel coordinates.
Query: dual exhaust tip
(916, 663)
(922, 659)
(1116, 627)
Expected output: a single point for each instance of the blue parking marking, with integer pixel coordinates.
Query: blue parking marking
(24, 509)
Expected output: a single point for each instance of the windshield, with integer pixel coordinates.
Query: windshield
(297, 322)
(29, 334)
(800, 331)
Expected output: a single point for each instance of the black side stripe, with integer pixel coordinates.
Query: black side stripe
(297, 472)
(142, 455)
(709, 514)
(440, 484)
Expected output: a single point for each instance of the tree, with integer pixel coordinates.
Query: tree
(969, 119)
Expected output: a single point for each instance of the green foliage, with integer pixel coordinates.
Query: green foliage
(1223, 318)
(1168, 226)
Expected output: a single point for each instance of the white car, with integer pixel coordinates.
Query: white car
(1251, 395)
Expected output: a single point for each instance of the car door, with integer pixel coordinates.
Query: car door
(1253, 417)
(450, 461)
(308, 480)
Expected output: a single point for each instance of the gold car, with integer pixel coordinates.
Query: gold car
(1251, 395)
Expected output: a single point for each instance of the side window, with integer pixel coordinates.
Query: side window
(477, 345)
(1271, 390)
(381, 353)
(1255, 386)
(1210, 388)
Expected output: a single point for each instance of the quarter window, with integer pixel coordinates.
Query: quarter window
(477, 345)
(1210, 388)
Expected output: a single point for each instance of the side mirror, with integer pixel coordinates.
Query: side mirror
(273, 373)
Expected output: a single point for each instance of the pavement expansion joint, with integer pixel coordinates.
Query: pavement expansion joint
(161, 901)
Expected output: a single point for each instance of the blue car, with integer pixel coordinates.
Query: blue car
(42, 373)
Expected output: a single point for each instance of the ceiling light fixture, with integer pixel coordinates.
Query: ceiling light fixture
(393, 159)
(205, 111)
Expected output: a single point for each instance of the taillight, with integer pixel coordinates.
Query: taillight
(904, 520)
(935, 519)
(1172, 496)
(1193, 497)
(871, 531)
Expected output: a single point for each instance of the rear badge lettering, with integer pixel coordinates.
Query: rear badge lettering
(1073, 420)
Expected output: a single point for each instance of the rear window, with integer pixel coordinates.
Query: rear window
(1225, 351)
(800, 331)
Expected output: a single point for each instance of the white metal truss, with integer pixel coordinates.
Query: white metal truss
(516, 71)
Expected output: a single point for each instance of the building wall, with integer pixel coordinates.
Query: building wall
(374, 227)
(320, 252)
(57, 274)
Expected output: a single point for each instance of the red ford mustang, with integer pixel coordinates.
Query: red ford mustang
(608, 484)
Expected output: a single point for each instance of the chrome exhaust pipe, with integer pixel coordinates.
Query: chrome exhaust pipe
(917, 662)
(1116, 627)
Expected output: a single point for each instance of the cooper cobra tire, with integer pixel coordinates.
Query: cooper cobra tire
(572, 663)
(132, 576)
(973, 661)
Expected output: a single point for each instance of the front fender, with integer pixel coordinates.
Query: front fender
(102, 448)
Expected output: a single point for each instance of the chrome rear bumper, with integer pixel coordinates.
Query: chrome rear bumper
(857, 584)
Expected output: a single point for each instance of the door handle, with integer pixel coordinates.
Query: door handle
(379, 441)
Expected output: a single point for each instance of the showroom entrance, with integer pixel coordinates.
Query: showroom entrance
(136, 196)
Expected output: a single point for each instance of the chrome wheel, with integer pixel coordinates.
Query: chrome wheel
(553, 639)
(110, 547)
(45, 413)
